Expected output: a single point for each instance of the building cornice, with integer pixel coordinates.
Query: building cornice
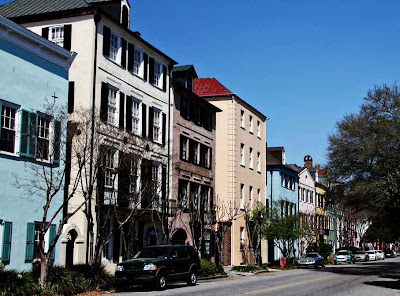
(35, 44)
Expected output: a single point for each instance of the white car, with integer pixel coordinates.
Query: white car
(380, 255)
(372, 255)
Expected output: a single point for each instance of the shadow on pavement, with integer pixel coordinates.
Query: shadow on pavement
(149, 288)
(385, 284)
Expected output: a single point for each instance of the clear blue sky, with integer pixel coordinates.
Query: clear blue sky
(303, 63)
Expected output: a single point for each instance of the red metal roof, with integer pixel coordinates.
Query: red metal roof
(209, 86)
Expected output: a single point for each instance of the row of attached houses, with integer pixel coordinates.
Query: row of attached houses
(166, 148)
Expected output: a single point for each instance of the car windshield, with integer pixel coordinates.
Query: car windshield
(342, 253)
(371, 252)
(152, 253)
(360, 252)
(310, 255)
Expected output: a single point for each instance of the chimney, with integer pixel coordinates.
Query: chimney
(308, 161)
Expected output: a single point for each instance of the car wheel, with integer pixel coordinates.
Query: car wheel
(192, 278)
(161, 282)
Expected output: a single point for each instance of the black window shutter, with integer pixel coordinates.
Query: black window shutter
(151, 120)
(67, 36)
(71, 96)
(164, 71)
(203, 151)
(128, 114)
(210, 159)
(181, 148)
(144, 123)
(104, 102)
(191, 151)
(131, 56)
(151, 70)
(164, 182)
(121, 109)
(145, 61)
(123, 54)
(45, 33)
(101, 174)
(106, 41)
(123, 180)
(164, 126)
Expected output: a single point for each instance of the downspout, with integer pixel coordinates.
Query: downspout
(97, 18)
(233, 175)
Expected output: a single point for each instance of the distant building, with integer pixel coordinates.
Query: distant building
(240, 164)
(281, 191)
(32, 70)
(192, 207)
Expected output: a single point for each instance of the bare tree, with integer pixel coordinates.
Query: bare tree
(47, 172)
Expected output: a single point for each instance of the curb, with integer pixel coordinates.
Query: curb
(213, 277)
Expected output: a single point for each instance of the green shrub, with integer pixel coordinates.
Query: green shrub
(16, 283)
(63, 281)
(97, 276)
(207, 268)
(248, 268)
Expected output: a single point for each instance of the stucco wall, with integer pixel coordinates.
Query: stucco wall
(25, 80)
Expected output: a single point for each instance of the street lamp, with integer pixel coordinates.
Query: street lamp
(260, 218)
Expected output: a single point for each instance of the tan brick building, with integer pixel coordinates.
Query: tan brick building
(240, 163)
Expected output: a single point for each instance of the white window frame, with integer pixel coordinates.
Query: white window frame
(138, 65)
(250, 196)
(258, 195)
(250, 124)
(241, 206)
(137, 118)
(110, 191)
(157, 125)
(258, 162)
(59, 40)
(250, 157)
(110, 106)
(242, 154)
(115, 52)
(158, 76)
(258, 129)
(16, 126)
(242, 119)
(39, 136)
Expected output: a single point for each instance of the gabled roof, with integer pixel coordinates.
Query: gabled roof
(19, 8)
(209, 87)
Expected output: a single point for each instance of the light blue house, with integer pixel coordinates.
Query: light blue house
(281, 191)
(32, 70)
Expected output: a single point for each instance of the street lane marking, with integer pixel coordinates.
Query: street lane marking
(291, 285)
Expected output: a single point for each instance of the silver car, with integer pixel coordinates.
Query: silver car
(344, 256)
(311, 260)
(380, 255)
(361, 256)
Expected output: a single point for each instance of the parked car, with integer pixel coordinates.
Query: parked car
(311, 260)
(361, 256)
(344, 256)
(380, 255)
(157, 265)
(372, 255)
(390, 253)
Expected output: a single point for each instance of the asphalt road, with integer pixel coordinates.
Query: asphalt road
(371, 278)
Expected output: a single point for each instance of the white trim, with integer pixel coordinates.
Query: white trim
(35, 44)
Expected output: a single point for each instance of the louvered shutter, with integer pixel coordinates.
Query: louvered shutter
(123, 180)
(67, 36)
(104, 102)
(210, 165)
(131, 56)
(128, 112)
(123, 53)
(151, 121)
(30, 240)
(27, 145)
(7, 237)
(56, 141)
(164, 126)
(144, 123)
(101, 174)
(33, 131)
(45, 33)
(164, 74)
(145, 61)
(52, 236)
(121, 110)
(151, 70)
(164, 182)
(71, 96)
(106, 41)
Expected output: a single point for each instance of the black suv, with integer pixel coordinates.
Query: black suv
(159, 264)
